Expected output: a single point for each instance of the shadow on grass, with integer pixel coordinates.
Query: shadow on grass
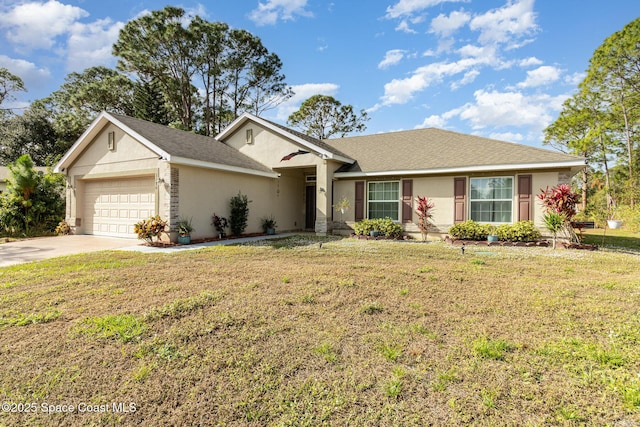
(613, 239)
(294, 241)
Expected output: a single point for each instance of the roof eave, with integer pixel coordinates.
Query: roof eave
(574, 165)
(218, 166)
(325, 154)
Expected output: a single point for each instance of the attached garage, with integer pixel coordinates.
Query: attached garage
(113, 206)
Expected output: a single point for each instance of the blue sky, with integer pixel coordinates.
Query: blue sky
(495, 68)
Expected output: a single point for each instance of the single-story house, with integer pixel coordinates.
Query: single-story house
(123, 169)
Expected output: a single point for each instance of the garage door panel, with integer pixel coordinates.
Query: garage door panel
(112, 207)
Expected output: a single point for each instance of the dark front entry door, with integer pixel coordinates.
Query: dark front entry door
(310, 208)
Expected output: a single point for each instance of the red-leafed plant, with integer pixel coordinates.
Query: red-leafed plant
(560, 205)
(424, 209)
(559, 199)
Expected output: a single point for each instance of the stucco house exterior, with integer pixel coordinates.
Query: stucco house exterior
(123, 169)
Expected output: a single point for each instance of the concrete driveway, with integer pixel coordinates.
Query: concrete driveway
(48, 247)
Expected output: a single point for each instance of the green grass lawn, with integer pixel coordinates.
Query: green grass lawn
(355, 333)
(618, 239)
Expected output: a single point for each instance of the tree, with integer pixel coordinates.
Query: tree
(158, 47)
(32, 202)
(31, 133)
(614, 72)
(208, 73)
(149, 103)
(582, 129)
(9, 83)
(323, 116)
(83, 96)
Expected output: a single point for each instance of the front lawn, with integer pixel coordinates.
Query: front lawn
(352, 333)
(618, 239)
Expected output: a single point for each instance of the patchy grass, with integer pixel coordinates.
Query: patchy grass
(351, 333)
(618, 239)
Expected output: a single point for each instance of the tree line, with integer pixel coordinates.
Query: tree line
(172, 69)
(601, 122)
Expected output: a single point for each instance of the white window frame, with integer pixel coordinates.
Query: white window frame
(397, 200)
(510, 200)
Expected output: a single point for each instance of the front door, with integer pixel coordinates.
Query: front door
(310, 208)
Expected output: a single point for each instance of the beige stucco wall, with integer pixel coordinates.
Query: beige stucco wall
(3, 186)
(129, 158)
(440, 190)
(269, 148)
(205, 191)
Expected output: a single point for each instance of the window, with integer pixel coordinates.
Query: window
(249, 136)
(491, 199)
(384, 200)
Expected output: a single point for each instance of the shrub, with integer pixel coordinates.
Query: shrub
(239, 213)
(424, 210)
(471, 230)
(219, 223)
(63, 228)
(630, 217)
(385, 226)
(521, 231)
(33, 202)
(560, 199)
(147, 229)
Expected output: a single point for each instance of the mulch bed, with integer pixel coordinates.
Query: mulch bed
(203, 240)
(539, 243)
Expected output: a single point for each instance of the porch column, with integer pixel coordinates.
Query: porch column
(324, 181)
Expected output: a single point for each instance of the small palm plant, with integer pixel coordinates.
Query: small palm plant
(554, 222)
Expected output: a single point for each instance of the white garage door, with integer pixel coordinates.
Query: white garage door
(112, 207)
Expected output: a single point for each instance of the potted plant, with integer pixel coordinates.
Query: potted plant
(269, 224)
(184, 231)
(492, 236)
(219, 223)
(613, 223)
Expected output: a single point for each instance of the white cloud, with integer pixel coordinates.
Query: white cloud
(90, 44)
(446, 25)
(32, 76)
(469, 77)
(503, 109)
(404, 27)
(36, 25)
(529, 62)
(433, 121)
(507, 136)
(541, 76)
(575, 79)
(303, 92)
(401, 91)
(501, 25)
(271, 11)
(392, 57)
(409, 7)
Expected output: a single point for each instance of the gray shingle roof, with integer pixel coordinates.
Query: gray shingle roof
(189, 145)
(431, 148)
